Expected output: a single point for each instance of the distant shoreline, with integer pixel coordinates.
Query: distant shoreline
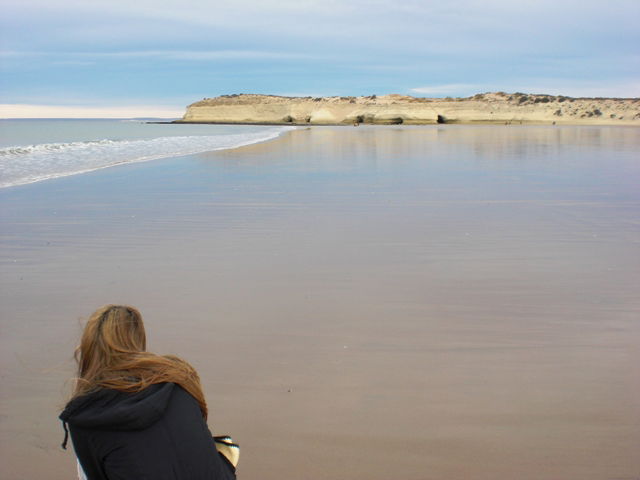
(477, 123)
(482, 109)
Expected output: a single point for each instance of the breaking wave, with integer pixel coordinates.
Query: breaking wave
(20, 165)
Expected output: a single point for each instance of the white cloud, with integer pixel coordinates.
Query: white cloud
(65, 111)
(448, 89)
(73, 63)
(187, 55)
(199, 55)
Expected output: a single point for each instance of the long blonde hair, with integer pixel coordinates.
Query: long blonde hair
(112, 354)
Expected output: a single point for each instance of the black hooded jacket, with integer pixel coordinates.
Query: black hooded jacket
(156, 434)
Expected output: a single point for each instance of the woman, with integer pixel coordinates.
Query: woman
(136, 415)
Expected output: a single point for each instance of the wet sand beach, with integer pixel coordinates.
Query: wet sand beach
(437, 302)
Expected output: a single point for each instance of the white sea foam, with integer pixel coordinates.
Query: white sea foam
(24, 164)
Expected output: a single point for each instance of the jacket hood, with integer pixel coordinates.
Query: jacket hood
(108, 409)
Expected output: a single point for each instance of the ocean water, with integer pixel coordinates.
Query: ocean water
(36, 150)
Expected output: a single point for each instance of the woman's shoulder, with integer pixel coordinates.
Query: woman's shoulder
(112, 409)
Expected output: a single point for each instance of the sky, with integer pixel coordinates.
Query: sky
(153, 57)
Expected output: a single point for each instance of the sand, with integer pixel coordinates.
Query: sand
(429, 302)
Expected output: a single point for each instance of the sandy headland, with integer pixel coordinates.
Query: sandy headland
(393, 109)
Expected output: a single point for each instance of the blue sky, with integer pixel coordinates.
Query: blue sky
(160, 55)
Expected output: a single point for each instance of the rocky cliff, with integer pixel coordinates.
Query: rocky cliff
(491, 108)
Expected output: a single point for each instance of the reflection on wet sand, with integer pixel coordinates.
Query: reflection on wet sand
(428, 302)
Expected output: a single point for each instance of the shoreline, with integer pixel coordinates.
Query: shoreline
(407, 124)
(280, 137)
(112, 150)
